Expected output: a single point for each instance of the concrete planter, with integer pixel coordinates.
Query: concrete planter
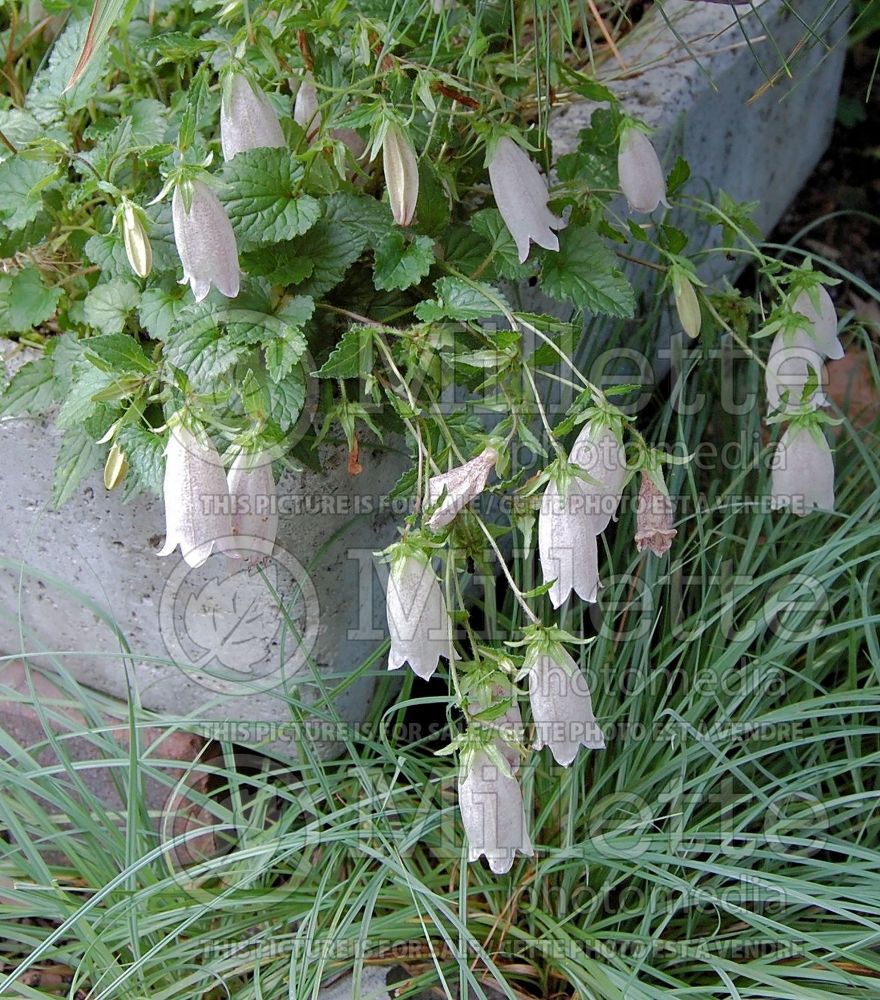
(201, 645)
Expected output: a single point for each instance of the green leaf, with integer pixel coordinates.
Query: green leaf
(585, 272)
(203, 352)
(331, 249)
(263, 198)
(287, 397)
(78, 456)
(30, 390)
(108, 304)
(400, 266)
(161, 310)
(22, 182)
(48, 98)
(677, 176)
(461, 300)
(25, 302)
(117, 352)
(145, 453)
(79, 402)
(283, 351)
(352, 357)
(505, 257)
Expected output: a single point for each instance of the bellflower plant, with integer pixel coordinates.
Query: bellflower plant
(205, 240)
(253, 505)
(639, 170)
(247, 119)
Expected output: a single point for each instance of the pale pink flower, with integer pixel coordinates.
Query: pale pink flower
(305, 106)
(205, 242)
(802, 475)
(417, 618)
(401, 174)
(247, 119)
(521, 196)
(639, 171)
(492, 813)
(458, 487)
(253, 503)
(562, 708)
(654, 512)
(567, 545)
(196, 497)
(507, 727)
(794, 358)
(600, 453)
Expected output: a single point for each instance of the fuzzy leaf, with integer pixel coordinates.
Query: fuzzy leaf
(585, 272)
(25, 301)
(400, 265)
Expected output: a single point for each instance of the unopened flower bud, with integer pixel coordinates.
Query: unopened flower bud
(654, 512)
(138, 248)
(115, 467)
(639, 171)
(521, 196)
(305, 106)
(247, 119)
(205, 242)
(401, 174)
(687, 304)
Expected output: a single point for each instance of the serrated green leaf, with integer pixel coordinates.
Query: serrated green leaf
(585, 272)
(460, 300)
(400, 265)
(263, 198)
(505, 257)
(283, 351)
(117, 352)
(78, 456)
(161, 310)
(331, 248)
(79, 402)
(25, 301)
(145, 454)
(31, 390)
(48, 98)
(677, 176)
(203, 352)
(22, 182)
(108, 304)
(352, 357)
(287, 398)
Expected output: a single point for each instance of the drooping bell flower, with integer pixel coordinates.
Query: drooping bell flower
(654, 513)
(205, 241)
(253, 505)
(196, 496)
(599, 451)
(521, 196)
(458, 487)
(639, 171)
(401, 174)
(794, 360)
(562, 708)
(802, 476)
(492, 813)
(507, 729)
(247, 118)
(823, 319)
(567, 545)
(417, 618)
(138, 248)
(305, 106)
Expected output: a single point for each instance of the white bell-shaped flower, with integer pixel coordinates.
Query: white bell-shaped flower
(823, 318)
(401, 174)
(417, 618)
(253, 505)
(506, 729)
(639, 171)
(247, 119)
(794, 360)
(492, 813)
(521, 196)
(196, 497)
(458, 487)
(802, 472)
(562, 708)
(600, 453)
(567, 546)
(205, 242)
